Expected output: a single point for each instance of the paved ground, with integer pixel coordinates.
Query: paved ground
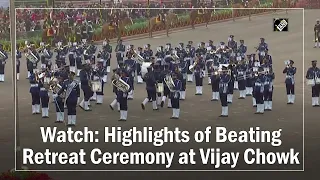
(196, 112)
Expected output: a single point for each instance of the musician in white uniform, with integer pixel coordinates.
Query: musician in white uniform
(3, 58)
(313, 77)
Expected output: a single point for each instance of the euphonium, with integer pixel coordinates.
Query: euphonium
(193, 66)
(138, 58)
(169, 82)
(120, 84)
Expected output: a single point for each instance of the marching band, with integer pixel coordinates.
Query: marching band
(227, 67)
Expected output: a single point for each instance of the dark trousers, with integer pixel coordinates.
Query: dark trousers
(242, 85)
(138, 69)
(230, 87)
(249, 83)
(315, 90)
(267, 95)
(44, 101)
(35, 98)
(199, 81)
(166, 91)
(18, 69)
(72, 107)
(59, 105)
(175, 103)
(223, 99)
(215, 86)
(151, 95)
(123, 101)
(87, 93)
(72, 62)
(259, 98)
(79, 63)
(184, 84)
(290, 88)
(2, 66)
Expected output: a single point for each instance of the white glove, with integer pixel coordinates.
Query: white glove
(55, 96)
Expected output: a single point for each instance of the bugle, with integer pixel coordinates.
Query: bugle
(32, 58)
(138, 58)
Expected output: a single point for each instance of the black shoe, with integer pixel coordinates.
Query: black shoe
(45, 117)
(130, 98)
(248, 95)
(254, 105)
(172, 118)
(88, 110)
(169, 107)
(162, 103)
(156, 109)
(121, 120)
(241, 98)
(143, 107)
(111, 107)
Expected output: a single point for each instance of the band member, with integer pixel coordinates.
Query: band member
(182, 70)
(166, 91)
(209, 62)
(151, 82)
(268, 90)
(242, 78)
(120, 50)
(262, 49)
(232, 43)
(290, 71)
(107, 50)
(122, 98)
(34, 91)
(250, 79)
(85, 78)
(168, 49)
(138, 66)
(31, 65)
(242, 49)
(215, 84)
(72, 91)
(224, 81)
(190, 54)
(72, 57)
(78, 57)
(174, 96)
(59, 101)
(201, 49)
(259, 90)
(148, 53)
(116, 74)
(61, 55)
(99, 74)
(313, 74)
(213, 47)
(231, 84)
(159, 79)
(44, 96)
(130, 66)
(316, 30)
(199, 75)
(18, 56)
(42, 55)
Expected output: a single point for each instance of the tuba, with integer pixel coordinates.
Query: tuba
(169, 82)
(120, 84)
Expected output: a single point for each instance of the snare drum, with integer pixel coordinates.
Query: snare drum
(159, 88)
(96, 86)
(310, 82)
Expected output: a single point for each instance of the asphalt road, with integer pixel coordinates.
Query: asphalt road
(197, 112)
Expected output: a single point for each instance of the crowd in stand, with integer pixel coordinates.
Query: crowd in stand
(33, 19)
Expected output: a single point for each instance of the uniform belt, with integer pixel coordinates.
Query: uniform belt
(34, 85)
(43, 89)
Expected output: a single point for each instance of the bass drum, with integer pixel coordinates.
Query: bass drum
(144, 69)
